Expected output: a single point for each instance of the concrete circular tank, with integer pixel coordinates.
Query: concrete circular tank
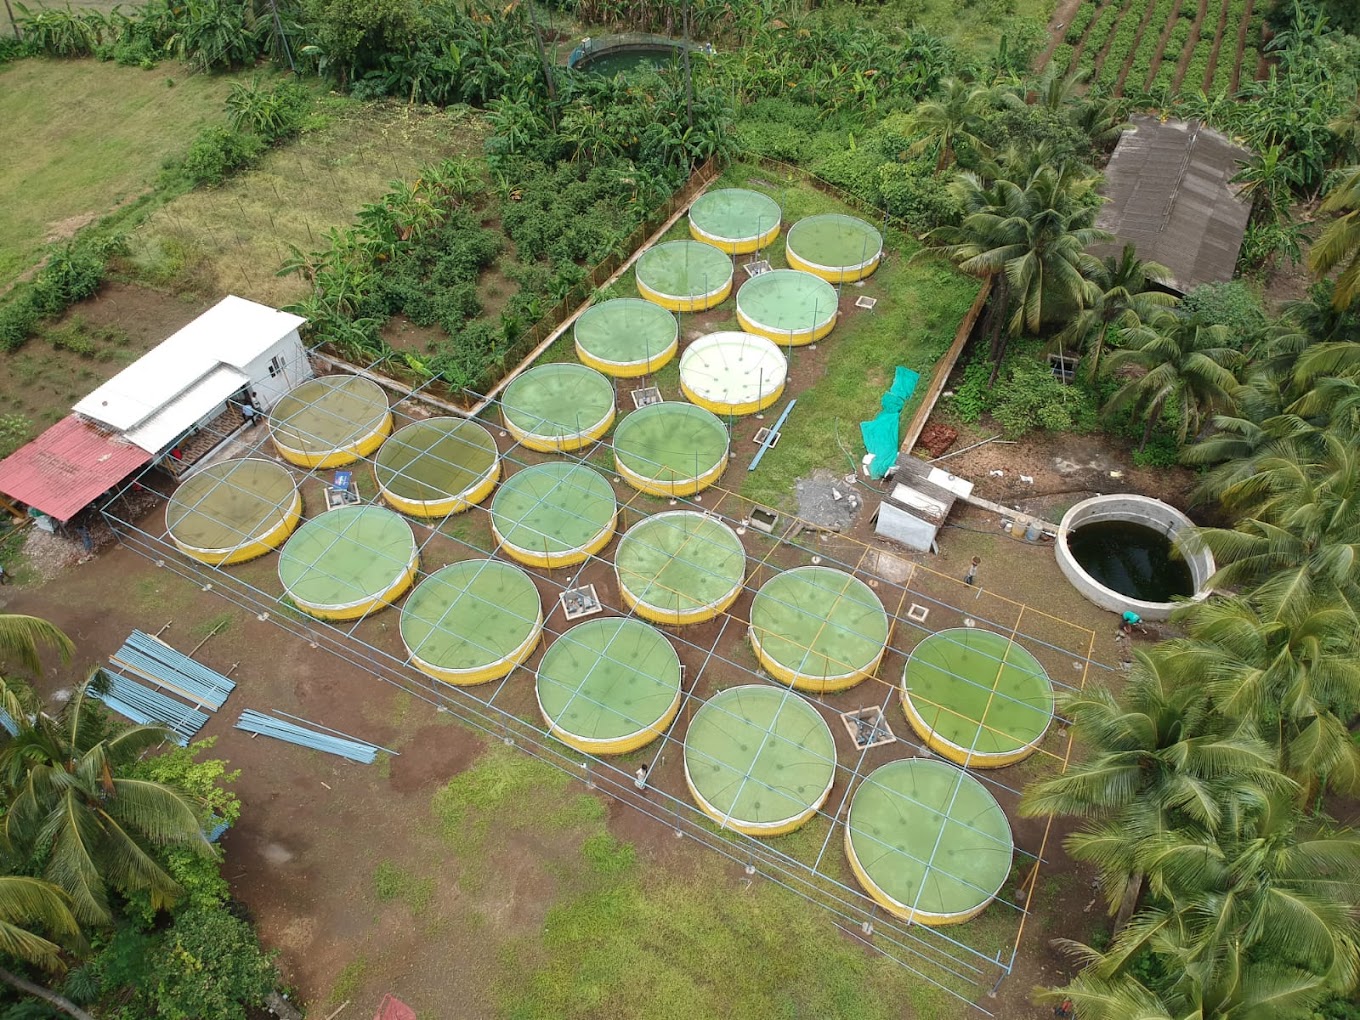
(1111, 524)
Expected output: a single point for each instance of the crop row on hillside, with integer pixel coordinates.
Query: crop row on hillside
(1129, 46)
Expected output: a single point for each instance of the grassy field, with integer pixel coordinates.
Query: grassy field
(232, 239)
(623, 940)
(80, 137)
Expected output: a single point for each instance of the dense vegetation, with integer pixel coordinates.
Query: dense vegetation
(110, 892)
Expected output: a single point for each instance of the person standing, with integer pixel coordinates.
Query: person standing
(640, 777)
(4, 576)
(971, 576)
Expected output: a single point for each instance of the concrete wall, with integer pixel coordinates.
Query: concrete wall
(281, 368)
(1152, 513)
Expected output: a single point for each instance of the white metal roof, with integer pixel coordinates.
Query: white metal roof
(160, 430)
(234, 332)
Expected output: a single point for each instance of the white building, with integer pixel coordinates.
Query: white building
(236, 351)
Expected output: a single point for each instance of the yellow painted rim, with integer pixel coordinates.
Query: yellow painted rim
(465, 500)
(358, 610)
(617, 745)
(676, 617)
(686, 304)
(738, 246)
(798, 338)
(628, 369)
(566, 558)
(779, 828)
(813, 685)
(847, 274)
(559, 444)
(266, 543)
(731, 410)
(898, 909)
(680, 487)
(957, 754)
(484, 674)
(361, 447)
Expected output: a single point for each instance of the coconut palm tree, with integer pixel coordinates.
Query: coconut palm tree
(27, 906)
(957, 115)
(92, 828)
(1157, 757)
(1292, 674)
(1184, 361)
(1339, 245)
(1271, 891)
(1299, 533)
(1029, 239)
(1117, 295)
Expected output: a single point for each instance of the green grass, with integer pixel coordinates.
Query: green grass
(625, 939)
(81, 136)
(393, 883)
(921, 303)
(234, 238)
(349, 981)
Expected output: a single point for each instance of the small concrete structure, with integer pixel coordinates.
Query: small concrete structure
(1150, 513)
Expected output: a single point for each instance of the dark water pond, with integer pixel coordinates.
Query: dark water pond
(631, 59)
(1131, 559)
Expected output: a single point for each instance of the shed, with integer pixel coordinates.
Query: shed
(68, 467)
(915, 510)
(1169, 195)
(237, 349)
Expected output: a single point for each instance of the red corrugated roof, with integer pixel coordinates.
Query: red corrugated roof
(66, 468)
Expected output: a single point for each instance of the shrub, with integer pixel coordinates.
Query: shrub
(912, 192)
(1232, 304)
(855, 170)
(217, 153)
(209, 967)
(17, 320)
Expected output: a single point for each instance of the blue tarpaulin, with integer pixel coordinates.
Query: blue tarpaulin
(882, 433)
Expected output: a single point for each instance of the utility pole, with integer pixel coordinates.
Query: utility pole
(689, 71)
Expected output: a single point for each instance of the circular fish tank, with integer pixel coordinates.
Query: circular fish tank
(556, 408)
(330, 421)
(1122, 553)
(609, 686)
(233, 511)
(553, 515)
(759, 760)
(626, 337)
(472, 622)
(733, 373)
(437, 467)
(787, 306)
(679, 567)
(734, 220)
(671, 448)
(349, 562)
(976, 697)
(818, 629)
(684, 276)
(838, 248)
(928, 842)
(613, 55)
